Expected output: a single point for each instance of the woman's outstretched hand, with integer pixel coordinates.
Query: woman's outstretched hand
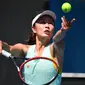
(65, 25)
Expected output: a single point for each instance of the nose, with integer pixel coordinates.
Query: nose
(47, 25)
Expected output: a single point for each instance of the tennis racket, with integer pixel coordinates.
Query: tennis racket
(36, 70)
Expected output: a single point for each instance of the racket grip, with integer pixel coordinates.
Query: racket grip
(6, 54)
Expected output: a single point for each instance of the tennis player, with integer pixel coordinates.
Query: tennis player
(43, 26)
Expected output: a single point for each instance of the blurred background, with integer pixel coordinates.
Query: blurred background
(15, 24)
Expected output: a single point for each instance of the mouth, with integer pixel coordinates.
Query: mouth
(47, 32)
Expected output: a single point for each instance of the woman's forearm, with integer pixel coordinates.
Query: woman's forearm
(59, 35)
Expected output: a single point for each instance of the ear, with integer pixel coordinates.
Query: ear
(34, 29)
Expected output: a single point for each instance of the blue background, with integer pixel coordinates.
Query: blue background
(74, 58)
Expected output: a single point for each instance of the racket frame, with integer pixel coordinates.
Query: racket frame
(34, 58)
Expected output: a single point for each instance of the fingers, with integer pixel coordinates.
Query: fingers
(63, 19)
(0, 46)
(72, 20)
(65, 23)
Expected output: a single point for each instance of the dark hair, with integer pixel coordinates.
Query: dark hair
(31, 38)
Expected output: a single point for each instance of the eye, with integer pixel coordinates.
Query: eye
(42, 22)
(51, 23)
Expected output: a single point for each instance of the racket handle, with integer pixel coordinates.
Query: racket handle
(6, 54)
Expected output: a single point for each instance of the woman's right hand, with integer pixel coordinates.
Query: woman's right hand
(0, 46)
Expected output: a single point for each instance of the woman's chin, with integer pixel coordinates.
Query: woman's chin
(47, 36)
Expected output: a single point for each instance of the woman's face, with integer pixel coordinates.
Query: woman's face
(44, 27)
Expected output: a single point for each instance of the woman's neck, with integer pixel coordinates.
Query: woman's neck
(41, 41)
(40, 45)
(39, 48)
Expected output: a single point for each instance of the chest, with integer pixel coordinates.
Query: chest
(42, 53)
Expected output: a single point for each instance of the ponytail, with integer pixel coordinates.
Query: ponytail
(31, 38)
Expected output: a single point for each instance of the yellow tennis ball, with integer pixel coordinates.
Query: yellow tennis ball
(66, 7)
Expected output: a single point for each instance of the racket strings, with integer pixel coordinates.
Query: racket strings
(36, 62)
(29, 76)
(41, 76)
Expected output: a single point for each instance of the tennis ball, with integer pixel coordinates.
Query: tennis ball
(66, 7)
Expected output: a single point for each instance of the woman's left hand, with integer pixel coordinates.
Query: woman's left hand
(66, 24)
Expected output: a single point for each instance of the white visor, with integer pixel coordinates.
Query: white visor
(47, 12)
